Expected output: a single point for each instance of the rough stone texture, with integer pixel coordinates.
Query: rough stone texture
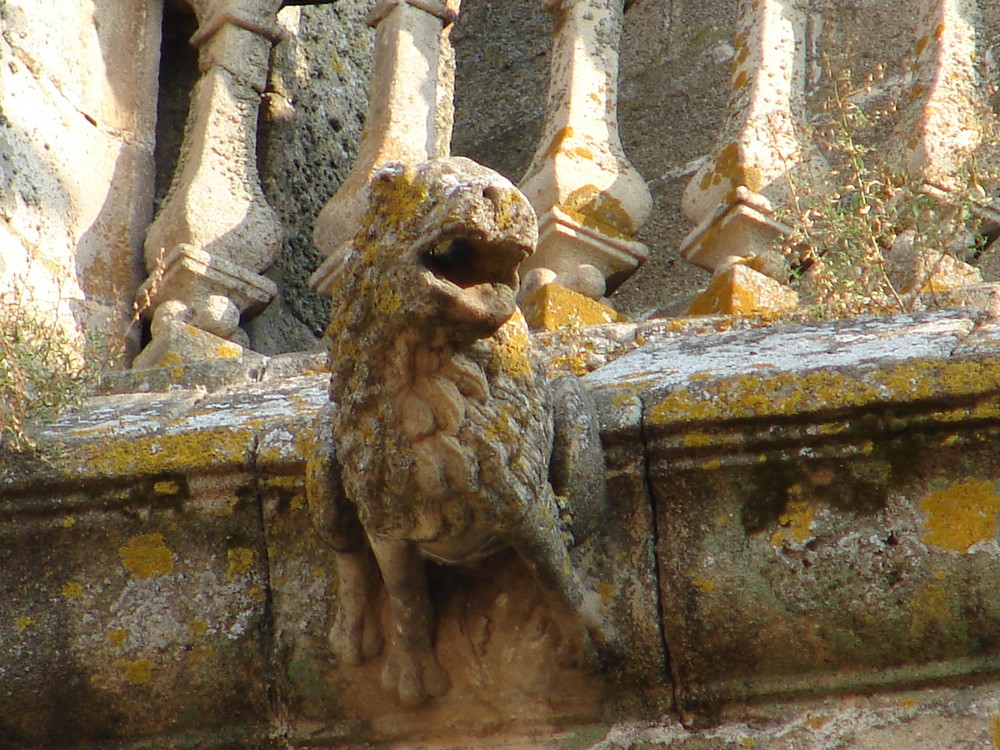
(443, 426)
(77, 115)
(312, 121)
(590, 200)
(675, 63)
(159, 555)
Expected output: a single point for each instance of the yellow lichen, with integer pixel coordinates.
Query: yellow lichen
(703, 585)
(962, 515)
(118, 636)
(796, 524)
(553, 306)
(240, 562)
(166, 487)
(138, 672)
(22, 623)
(201, 653)
(147, 556)
(198, 628)
(598, 209)
(790, 393)
(68, 522)
(164, 453)
(995, 730)
(607, 592)
(930, 609)
(72, 590)
(511, 345)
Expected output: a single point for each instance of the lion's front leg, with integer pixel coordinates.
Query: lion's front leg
(411, 669)
(355, 636)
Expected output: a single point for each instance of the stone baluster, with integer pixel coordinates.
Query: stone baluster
(938, 130)
(410, 115)
(730, 196)
(589, 199)
(942, 124)
(215, 232)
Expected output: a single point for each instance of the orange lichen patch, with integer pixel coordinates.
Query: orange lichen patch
(240, 562)
(930, 610)
(118, 636)
(23, 623)
(599, 210)
(554, 306)
(818, 721)
(962, 515)
(741, 291)
(147, 556)
(796, 524)
(556, 142)
(138, 672)
(729, 166)
(72, 590)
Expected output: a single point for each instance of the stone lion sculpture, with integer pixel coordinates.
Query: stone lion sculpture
(436, 443)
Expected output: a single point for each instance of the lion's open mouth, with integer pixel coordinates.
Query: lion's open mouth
(467, 262)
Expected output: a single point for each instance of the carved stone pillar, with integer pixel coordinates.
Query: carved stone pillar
(409, 115)
(942, 125)
(215, 231)
(590, 201)
(939, 130)
(730, 197)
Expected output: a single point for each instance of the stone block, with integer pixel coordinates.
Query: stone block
(740, 290)
(554, 306)
(826, 519)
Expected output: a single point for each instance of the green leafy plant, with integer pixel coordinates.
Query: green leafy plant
(42, 370)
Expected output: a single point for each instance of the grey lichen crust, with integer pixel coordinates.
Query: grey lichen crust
(441, 421)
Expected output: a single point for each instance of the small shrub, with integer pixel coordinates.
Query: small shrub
(42, 371)
(848, 217)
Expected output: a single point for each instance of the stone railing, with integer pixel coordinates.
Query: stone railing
(801, 510)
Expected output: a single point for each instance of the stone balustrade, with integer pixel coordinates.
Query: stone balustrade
(804, 509)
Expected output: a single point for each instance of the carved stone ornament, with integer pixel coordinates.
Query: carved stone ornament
(215, 232)
(438, 437)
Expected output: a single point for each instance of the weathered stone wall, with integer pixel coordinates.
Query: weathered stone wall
(77, 116)
(819, 502)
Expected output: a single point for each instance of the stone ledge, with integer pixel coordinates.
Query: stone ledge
(824, 499)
